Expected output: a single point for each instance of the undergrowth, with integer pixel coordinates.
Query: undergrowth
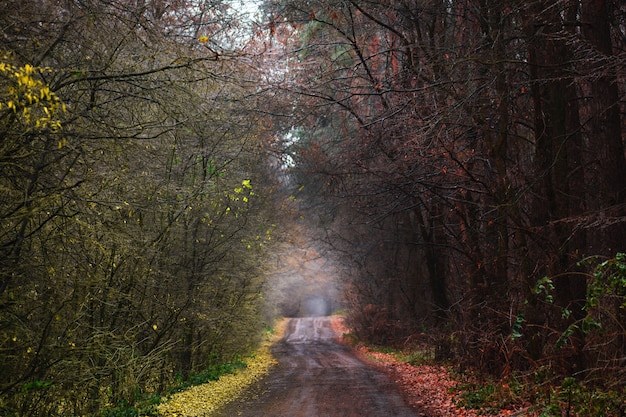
(212, 373)
(568, 397)
(206, 398)
(415, 356)
(535, 394)
(147, 405)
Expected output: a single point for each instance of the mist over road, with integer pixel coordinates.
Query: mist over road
(317, 377)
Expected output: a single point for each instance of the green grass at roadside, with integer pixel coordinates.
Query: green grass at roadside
(204, 392)
(540, 398)
(204, 399)
(422, 355)
(537, 393)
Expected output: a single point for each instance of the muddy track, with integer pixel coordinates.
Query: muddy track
(317, 377)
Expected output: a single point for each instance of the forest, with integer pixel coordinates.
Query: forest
(454, 170)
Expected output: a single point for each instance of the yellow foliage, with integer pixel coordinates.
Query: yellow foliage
(24, 94)
(202, 400)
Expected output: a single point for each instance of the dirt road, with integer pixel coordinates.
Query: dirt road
(317, 377)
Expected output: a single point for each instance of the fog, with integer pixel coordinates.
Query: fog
(304, 284)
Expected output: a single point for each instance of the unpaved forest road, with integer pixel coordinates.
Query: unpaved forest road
(317, 377)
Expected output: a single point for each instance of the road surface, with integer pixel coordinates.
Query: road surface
(317, 377)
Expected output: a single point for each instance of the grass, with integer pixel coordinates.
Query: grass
(487, 396)
(416, 356)
(211, 373)
(540, 398)
(534, 394)
(204, 392)
(203, 399)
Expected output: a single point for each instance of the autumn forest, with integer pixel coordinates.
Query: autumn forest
(455, 169)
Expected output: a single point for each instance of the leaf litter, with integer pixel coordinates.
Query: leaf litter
(427, 388)
(202, 400)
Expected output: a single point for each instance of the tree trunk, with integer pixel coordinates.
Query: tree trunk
(606, 165)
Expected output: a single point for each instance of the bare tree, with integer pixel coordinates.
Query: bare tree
(453, 145)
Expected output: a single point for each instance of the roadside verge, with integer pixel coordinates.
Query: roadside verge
(202, 400)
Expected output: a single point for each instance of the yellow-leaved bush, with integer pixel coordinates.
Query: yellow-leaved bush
(26, 96)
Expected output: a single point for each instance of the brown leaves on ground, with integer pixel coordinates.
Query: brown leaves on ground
(427, 388)
(430, 389)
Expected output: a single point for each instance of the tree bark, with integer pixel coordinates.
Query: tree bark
(606, 165)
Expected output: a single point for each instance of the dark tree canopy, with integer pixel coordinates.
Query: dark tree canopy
(468, 153)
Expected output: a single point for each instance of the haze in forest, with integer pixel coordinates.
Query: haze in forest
(175, 176)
